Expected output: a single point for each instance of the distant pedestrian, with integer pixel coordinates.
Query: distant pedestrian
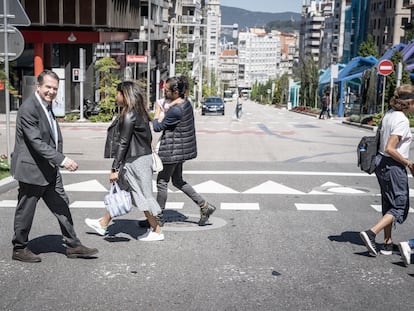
(35, 164)
(325, 105)
(132, 157)
(178, 144)
(239, 106)
(392, 162)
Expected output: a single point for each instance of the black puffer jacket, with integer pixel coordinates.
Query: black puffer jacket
(133, 139)
(178, 140)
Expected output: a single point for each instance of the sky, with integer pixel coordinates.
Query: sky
(272, 6)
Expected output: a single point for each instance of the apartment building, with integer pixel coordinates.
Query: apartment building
(259, 57)
(212, 39)
(289, 51)
(314, 14)
(332, 31)
(229, 70)
(386, 22)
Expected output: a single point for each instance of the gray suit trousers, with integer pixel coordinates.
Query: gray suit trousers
(56, 200)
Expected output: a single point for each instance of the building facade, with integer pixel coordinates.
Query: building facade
(116, 28)
(259, 57)
(386, 23)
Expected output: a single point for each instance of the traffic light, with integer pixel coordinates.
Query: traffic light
(76, 75)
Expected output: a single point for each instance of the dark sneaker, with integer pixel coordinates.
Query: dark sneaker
(145, 223)
(205, 213)
(368, 237)
(80, 251)
(387, 249)
(405, 251)
(25, 255)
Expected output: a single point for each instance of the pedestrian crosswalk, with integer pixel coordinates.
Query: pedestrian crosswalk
(212, 187)
(237, 206)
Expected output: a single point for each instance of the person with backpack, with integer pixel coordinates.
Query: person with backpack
(392, 162)
(325, 105)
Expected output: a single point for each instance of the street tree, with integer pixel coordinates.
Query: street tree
(108, 70)
(368, 48)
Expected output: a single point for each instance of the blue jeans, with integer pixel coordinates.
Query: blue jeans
(411, 243)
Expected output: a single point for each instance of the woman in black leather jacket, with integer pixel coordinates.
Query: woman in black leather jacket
(129, 143)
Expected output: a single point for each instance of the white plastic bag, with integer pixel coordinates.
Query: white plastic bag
(118, 202)
(156, 163)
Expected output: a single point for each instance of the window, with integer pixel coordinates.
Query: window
(52, 11)
(32, 9)
(69, 13)
(85, 10)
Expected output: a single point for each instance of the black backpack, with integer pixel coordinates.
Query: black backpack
(367, 150)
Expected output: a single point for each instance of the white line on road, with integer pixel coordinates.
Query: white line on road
(300, 173)
(240, 206)
(315, 207)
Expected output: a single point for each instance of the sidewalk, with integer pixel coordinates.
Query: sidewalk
(342, 120)
(85, 123)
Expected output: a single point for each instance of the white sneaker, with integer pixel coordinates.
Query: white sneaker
(405, 251)
(95, 225)
(151, 236)
(144, 235)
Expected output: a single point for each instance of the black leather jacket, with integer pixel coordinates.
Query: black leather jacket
(130, 137)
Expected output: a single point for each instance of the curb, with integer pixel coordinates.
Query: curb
(7, 184)
(365, 126)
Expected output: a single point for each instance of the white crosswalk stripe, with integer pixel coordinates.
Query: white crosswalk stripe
(240, 206)
(315, 207)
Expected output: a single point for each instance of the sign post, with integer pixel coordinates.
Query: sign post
(385, 68)
(10, 9)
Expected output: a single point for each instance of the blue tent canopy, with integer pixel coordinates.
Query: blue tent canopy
(325, 77)
(401, 47)
(356, 67)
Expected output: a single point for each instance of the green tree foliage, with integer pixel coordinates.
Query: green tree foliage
(182, 66)
(368, 48)
(283, 88)
(309, 79)
(396, 58)
(12, 77)
(409, 34)
(108, 70)
(280, 95)
(212, 89)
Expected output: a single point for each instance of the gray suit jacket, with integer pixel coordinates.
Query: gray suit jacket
(35, 159)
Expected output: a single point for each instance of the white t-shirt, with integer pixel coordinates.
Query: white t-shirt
(396, 123)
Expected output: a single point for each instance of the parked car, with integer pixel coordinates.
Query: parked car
(213, 104)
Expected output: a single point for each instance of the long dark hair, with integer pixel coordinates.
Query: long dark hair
(133, 99)
(178, 84)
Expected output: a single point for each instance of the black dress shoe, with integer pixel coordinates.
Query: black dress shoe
(80, 251)
(25, 255)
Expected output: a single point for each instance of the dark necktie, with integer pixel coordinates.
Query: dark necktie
(52, 119)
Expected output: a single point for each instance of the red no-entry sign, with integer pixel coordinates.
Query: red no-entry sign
(385, 67)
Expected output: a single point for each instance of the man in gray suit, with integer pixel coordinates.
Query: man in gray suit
(35, 164)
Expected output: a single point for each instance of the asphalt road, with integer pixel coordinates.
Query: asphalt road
(285, 236)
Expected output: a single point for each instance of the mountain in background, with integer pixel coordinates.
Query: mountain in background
(246, 19)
